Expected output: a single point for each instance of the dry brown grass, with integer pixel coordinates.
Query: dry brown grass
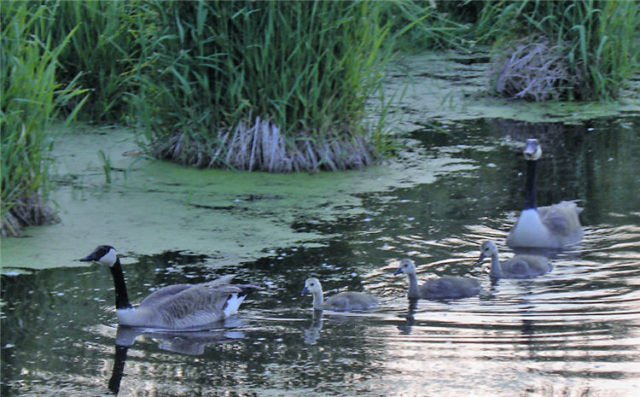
(263, 147)
(26, 212)
(535, 71)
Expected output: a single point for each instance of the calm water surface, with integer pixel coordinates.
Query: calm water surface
(574, 331)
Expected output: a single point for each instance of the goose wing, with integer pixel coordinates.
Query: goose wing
(525, 266)
(339, 303)
(518, 267)
(561, 219)
(199, 305)
(346, 301)
(163, 293)
(157, 297)
(450, 287)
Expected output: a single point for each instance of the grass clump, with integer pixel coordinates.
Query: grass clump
(533, 70)
(543, 50)
(29, 101)
(261, 85)
(596, 43)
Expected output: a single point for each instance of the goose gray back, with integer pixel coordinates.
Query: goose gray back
(554, 226)
(175, 307)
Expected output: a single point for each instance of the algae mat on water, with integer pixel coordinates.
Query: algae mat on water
(153, 206)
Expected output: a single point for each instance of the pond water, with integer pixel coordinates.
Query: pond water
(574, 331)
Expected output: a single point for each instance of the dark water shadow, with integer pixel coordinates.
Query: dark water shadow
(192, 343)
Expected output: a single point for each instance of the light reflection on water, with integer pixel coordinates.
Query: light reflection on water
(574, 331)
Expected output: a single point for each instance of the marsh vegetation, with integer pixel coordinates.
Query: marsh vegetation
(273, 86)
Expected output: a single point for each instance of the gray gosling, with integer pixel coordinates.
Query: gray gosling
(520, 266)
(175, 307)
(342, 302)
(447, 287)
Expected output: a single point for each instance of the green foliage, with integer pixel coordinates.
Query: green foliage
(431, 24)
(29, 101)
(305, 68)
(101, 53)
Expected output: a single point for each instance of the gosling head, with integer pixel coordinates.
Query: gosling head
(532, 150)
(406, 266)
(311, 285)
(487, 249)
(104, 254)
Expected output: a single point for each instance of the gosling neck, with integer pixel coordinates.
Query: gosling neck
(496, 270)
(413, 286)
(530, 187)
(318, 300)
(122, 300)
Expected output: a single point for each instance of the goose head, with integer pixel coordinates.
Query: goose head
(406, 266)
(532, 150)
(311, 285)
(487, 249)
(104, 254)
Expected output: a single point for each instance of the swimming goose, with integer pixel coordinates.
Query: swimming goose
(447, 287)
(520, 266)
(554, 226)
(175, 307)
(342, 302)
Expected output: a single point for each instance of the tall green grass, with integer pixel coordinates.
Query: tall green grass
(29, 101)
(432, 25)
(99, 55)
(270, 85)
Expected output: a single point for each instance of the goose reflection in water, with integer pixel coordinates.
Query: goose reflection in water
(312, 333)
(188, 343)
(405, 328)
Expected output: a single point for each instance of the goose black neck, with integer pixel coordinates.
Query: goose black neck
(530, 187)
(122, 300)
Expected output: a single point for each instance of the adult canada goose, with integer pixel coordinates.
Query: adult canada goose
(175, 307)
(447, 287)
(554, 226)
(342, 302)
(520, 266)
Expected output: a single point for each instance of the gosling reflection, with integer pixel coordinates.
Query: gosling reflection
(312, 333)
(405, 329)
(188, 343)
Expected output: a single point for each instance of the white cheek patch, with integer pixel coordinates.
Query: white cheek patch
(109, 258)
